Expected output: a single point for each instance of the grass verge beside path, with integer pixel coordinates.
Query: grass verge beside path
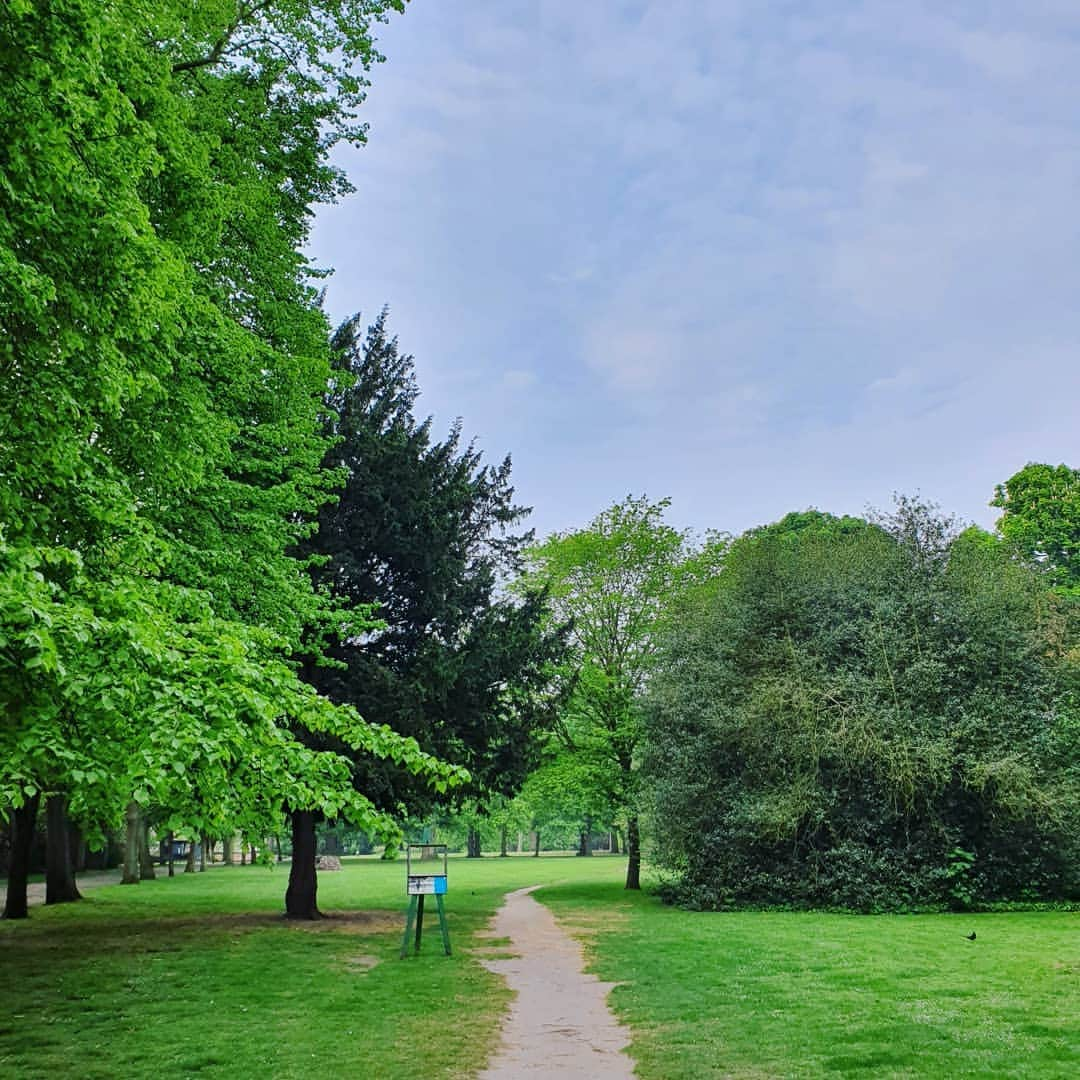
(199, 975)
(762, 994)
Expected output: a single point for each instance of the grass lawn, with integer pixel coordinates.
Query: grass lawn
(800, 995)
(199, 975)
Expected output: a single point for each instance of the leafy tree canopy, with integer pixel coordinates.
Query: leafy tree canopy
(1041, 516)
(613, 583)
(849, 707)
(163, 361)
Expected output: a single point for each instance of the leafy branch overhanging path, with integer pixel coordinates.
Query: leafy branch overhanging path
(559, 1024)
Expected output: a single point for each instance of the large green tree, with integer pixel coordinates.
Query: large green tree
(422, 533)
(870, 715)
(163, 361)
(1041, 517)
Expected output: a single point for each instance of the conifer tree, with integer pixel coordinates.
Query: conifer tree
(425, 531)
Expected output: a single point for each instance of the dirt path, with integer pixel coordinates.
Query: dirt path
(559, 1023)
(91, 879)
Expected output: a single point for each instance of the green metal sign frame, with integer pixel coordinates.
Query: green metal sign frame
(419, 886)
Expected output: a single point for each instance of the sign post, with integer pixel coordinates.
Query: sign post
(425, 875)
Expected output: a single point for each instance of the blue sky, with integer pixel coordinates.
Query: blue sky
(752, 256)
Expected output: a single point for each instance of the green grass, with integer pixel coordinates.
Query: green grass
(199, 976)
(761, 994)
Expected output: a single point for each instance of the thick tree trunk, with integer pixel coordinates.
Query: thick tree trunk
(132, 833)
(502, 842)
(22, 839)
(189, 862)
(226, 850)
(536, 849)
(277, 846)
(146, 860)
(300, 897)
(203, 845)
(60, 885)
(614, 841)
(633, 852)
(472, 844)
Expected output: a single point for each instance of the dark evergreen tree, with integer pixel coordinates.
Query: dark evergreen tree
(424, 531)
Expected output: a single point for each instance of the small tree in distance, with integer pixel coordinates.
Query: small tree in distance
(613, 583)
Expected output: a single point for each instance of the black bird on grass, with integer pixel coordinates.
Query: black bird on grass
(971, 936)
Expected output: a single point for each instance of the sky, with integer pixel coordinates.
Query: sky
(753, 257)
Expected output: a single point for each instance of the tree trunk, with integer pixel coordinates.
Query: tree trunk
(170, 840)
(189, 862)
(277, 845)
(226, 850)
(204, 843)
(146, 861)
(502, 842)
(614, 841)
(300, 897)
(472, 844)
(77, 843)
(60, 885)
(133, 829)
(22, 839)
(536, 850)
(520, 842)
(584, 844)
(633, 851)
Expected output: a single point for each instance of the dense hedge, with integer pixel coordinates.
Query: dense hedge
(866, 716)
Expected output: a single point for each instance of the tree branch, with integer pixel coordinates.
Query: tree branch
(221, 46)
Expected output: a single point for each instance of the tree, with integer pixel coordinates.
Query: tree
(612, 582)
(864, 714)
(564, 796)
(60, 887)
(162, 366)
(1041, 517)
(421, 535)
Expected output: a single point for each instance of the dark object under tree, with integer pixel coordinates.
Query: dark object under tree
(22, 838)
(301, 900)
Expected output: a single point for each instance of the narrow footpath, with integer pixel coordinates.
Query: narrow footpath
(559, 1023)
(90, 879)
